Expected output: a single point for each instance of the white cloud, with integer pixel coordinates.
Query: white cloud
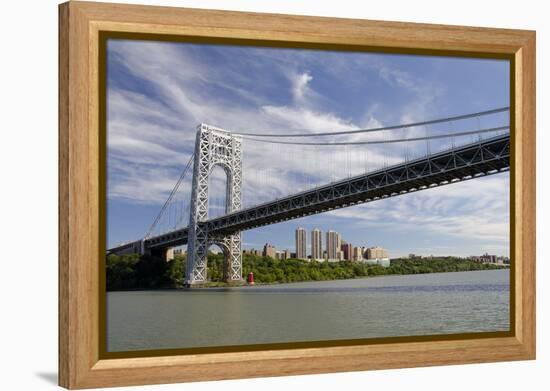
(397, 77)
(141, 183)
(299, 118)
(300, 86)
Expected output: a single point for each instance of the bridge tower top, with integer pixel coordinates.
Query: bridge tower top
(214, 129)
(216, 147)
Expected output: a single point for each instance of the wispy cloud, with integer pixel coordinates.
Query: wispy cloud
(300, 86)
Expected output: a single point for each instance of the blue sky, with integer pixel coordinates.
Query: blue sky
(159, 92)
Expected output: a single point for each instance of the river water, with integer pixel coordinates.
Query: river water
(422, 304)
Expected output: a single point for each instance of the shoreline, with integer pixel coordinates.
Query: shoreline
(222, 285)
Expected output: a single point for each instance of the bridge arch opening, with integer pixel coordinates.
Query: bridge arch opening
(218, 190)
(217, 261)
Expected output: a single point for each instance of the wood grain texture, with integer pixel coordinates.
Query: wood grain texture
(526, 95)
(80, 365)
(63, 220)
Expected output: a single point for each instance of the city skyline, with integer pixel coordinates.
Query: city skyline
(355, 252)
(316, 234)
(336, 248)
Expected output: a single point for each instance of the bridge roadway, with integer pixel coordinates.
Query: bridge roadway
(482, 158)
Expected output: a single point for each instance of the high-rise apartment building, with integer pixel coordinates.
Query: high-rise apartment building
(347, 249)
(301, 244)
(332, 244)
(316, 244)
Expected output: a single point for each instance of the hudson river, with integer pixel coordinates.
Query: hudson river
(421, 304)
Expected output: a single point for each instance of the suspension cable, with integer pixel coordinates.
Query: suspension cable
(393, 127)
(391, 141)
(172, 193)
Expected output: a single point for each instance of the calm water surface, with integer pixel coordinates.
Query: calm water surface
(425, 304)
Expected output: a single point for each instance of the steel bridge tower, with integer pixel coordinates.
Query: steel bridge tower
(214, 147)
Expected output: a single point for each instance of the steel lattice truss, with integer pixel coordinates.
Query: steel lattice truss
(482, 158)
(214, 147)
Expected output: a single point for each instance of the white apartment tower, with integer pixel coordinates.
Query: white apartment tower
(316, 244)
(301, 243)
(333, 244)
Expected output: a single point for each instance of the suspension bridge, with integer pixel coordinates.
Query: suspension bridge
(324, 170)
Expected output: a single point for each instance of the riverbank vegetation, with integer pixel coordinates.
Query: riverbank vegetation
(128, 272)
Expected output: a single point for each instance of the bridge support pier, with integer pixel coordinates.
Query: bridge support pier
(196, 270)
(214, 147)
(197, 248)
(231, 245)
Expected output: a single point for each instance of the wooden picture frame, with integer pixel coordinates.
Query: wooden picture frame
(81, 363)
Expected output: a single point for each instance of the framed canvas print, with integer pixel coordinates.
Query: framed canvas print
(247, 195)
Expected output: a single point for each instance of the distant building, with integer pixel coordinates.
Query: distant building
(269, 251)
(492, 259)
(282, 255)
(357, 254)
(316, 244)
(169, 254)
(332, 244)
(339, 257)
(301, 243)
(377, 256)
(347, 250)
(252, 251)
(414, 256)
(486, 258)
(376, 253)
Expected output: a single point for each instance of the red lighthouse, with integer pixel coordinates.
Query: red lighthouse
(250, 278)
